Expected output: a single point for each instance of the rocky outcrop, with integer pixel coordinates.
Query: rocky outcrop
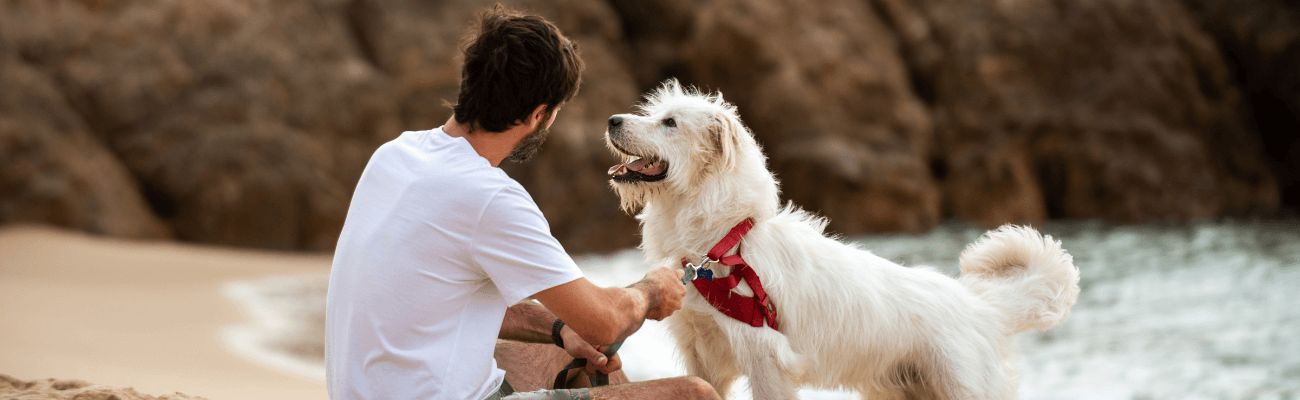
(1260, 42)
(248, 122)
(881, 113)
(64, 389)
(55, 171)
(822, 87)
(240, 126)
(1122, 110)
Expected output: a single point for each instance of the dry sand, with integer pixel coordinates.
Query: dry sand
(147, 315)
(67, 389)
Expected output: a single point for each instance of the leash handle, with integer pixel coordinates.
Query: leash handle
(597, 380)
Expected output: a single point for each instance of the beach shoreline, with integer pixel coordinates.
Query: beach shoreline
(240, 324)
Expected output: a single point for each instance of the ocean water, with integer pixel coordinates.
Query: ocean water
(1189, 311)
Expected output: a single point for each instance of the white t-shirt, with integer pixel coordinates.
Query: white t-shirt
(437, 243)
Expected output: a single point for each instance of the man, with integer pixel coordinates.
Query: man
(440, 247)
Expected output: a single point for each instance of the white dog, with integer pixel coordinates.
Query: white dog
(847, 318)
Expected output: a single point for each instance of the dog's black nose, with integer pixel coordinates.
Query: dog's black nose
(615, 121)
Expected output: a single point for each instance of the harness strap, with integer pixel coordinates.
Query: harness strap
(597, 379)
(755, 311)
(731, 239)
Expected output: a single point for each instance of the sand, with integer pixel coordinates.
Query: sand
(61, 389)
(154, 316)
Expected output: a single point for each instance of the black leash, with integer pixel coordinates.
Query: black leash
(597, 379)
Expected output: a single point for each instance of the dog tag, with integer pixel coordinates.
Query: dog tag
(688, 274)
(706, 274)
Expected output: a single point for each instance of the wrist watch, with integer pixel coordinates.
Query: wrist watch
(555, 333)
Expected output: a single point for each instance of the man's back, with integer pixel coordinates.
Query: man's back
(436, 245)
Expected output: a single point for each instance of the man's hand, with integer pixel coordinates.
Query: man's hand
(577, 347)
(607, 315)
(664, 292)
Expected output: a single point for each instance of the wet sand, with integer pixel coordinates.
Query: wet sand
(147, 315)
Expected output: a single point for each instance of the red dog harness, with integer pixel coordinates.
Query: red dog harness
(751, 310)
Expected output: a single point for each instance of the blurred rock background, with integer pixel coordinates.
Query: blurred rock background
(248, 122)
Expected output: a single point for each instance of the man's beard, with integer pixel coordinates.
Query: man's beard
(529, 145)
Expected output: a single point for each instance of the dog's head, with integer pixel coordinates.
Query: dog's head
(681, 142)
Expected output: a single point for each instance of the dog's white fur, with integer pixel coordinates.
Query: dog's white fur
(849, 319)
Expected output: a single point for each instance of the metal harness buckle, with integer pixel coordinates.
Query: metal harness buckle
(691, 270)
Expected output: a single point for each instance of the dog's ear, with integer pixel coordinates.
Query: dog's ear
(728, 132)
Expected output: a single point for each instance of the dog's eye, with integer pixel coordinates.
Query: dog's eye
(669, 122)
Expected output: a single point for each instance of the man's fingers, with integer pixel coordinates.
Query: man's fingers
(595, 360)
(597, 363)
(587, 352)
(613, 365)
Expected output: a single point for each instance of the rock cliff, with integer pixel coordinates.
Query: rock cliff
(247, 122)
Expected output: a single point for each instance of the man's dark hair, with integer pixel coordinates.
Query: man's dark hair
(514, 63)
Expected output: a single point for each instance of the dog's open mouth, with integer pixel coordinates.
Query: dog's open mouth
(642, 169)
(637, 168)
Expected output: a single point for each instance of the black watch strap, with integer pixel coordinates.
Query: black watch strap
(555, 333)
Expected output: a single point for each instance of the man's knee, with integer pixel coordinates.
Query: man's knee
(695, 388)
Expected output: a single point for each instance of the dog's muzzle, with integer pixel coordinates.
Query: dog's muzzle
(639, 168)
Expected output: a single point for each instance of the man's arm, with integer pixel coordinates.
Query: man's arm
(607, 315)
(532, 323)
(527, 322)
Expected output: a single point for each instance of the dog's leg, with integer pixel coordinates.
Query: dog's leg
(718, 373)
(766, 358)
(908, 380)
(705, 350)
(973, 367)
(766, 381)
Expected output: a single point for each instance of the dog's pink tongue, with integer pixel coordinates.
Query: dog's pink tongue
(646, 167)
(637, 165)
(641, 165)
(617, 170)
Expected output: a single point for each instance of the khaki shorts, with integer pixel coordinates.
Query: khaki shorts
(505, 392)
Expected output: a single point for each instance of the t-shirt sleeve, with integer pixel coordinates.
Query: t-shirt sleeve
(514, 246)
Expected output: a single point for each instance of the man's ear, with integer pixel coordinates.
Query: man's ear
(538, 116)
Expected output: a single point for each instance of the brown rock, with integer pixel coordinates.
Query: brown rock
(823, 88)
(54, 171)
(1261, 43)
(247, 122)
(1123, 110)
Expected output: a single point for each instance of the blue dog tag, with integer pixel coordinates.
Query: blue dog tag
(706, 274)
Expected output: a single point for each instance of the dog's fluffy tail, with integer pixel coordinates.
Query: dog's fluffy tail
(1027, 277)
